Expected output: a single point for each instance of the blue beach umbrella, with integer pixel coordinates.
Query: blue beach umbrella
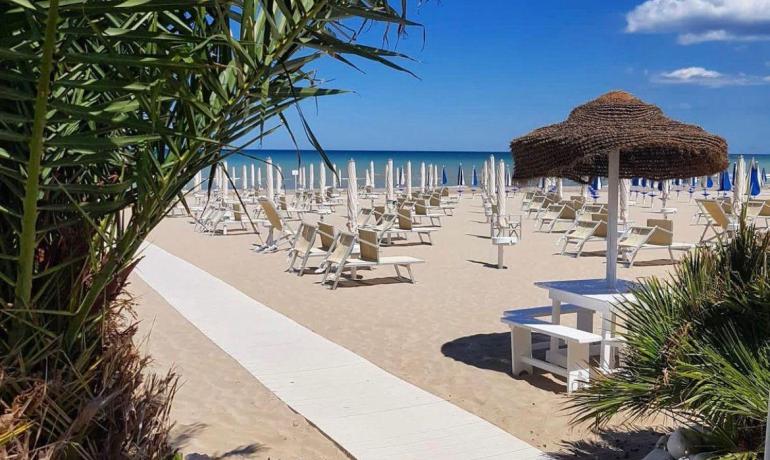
(635, 182)
(444, 179)
(754, 187)
(596, 183)
(644, 182)
(475, 178)
(709, 182)
(724, 182)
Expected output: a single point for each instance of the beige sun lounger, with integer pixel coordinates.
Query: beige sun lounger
(554, 214)
(435, 202)
(276, 223)
(407, 227)
(658, 234)
(422, 209)
(585, 231)
(341, 260)
(718, 221)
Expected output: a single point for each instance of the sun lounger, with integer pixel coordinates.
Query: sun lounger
(554, 214)
(341, 260)
(275, 223)
(718, 221)
(585, 231)
(407, 227)
(435, 202)
(422, 209)
(658, 234)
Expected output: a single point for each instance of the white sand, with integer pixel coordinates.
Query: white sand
(442, 334)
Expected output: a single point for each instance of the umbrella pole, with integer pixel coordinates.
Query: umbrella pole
(612, 225)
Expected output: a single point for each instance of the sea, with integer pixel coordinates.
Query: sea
(452, 162)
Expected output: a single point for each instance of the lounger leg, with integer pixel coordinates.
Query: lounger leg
(555, 319)
(577, 366)
(338, 275)
(411, 275)
(301, 270)
(398, 273)
(671, 254)
(292, 261)
(521, 346)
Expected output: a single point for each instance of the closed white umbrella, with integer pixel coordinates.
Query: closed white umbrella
(485, 176)
(492, 188)
(311, 178)
(501, 198)
(559, 189)
(322, 178)
(352, 197)
(623, 198)
(253, 177)
(664, 194)
(739, 193)
(389, 194)
(270, 182)
(435, 177)
(430, 175)
(367, 179)
(371, 170)
(409, 179)
(259, 178)
(245, 184)
(225, 181)
(335, 176)
(198, 181)
(279, 181)
(422, 176)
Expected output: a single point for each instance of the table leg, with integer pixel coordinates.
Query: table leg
(608, 331)
(500, 256)
(555, 319)
(585, 319)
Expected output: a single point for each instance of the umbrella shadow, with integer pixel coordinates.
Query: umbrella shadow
(485, 264)
(493, 352)
(633, 444)
(654, 263)
(346, 283)
(483, 237)
(188, 432)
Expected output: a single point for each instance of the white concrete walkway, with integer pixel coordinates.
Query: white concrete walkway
(370, 413)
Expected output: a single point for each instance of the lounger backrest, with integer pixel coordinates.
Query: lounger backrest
(405, 219)
(765, 209)
(637, 236)
(444, 191)
(378, 212)
(282, 203)
(364, 216)
(553, 211)
(370, 250)
(305, 238)
(528, 196)
(435, 199)
(601, 230)
(327, 234)
(420, 208)
(569, 211)
(664, 232)
(754, 207)
(716, 212)
(343, 246)
(271, 213)
(584, 229)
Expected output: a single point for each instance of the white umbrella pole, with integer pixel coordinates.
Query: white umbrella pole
(612, 225)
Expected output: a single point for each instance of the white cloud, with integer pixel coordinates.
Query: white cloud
(705, 77)
(698, 21)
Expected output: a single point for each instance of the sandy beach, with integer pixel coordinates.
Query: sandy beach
(442, 334)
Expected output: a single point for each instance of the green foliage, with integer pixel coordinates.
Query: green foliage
(107, 110)
(698, 348)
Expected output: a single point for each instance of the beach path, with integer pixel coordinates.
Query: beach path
(369, 412)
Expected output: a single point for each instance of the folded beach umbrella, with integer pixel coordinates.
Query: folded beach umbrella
(225, 181)
(754, 187)
(352, 197)
(253, 176)
(444, 179)
(596, 183)
(367, 179)
(322, 177)
(725, 185)
(371, 170)
(259, 178)
(401, 176)
(409, 179)
(485, 176)
(279, 181)
(763, 177)
(635, 182)
(739, 192)
(492, 188)
(270, 183)
(709, 182)
(197, 181)
(435, 176)
(311, 178)
(389, 193)
(245, 183)
(559, 189)
(501, 197)
(422, 176)
(618, 136)
(665, 191)
(335, 176)
(460, 176)
(475, 178)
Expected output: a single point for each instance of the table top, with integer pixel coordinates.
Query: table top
(594, 294)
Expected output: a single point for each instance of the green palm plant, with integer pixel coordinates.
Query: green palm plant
(698, 349)
(107, 110)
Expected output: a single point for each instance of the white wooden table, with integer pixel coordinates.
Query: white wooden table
(591, 295)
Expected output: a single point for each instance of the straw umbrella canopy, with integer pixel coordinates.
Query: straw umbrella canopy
(352, 196)
(409, 179)
(389, 193)
(618, 136)
(270, 189)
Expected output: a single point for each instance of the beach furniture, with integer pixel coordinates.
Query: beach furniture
(364, 216)
(275, 223)
(757, 210)
(584, 231)
(527, 200)
(576, 365)
(719, 222)
(406, 227)
(226, 219)
(505, 225)
(436, 202)
(422, 209)
(658, 234)
(556, 213)
(539, 204)
(303, 246)
(340, 260)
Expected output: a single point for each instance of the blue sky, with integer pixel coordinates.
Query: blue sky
(493, 70)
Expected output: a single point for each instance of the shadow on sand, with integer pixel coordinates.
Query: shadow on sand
(493, 352)
(631, 445)
(187, 432)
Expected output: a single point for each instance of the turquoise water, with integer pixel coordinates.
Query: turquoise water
(288, 160)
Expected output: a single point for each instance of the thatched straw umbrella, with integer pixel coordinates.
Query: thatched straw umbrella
(618, 136)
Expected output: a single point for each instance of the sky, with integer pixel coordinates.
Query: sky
(489, 71)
